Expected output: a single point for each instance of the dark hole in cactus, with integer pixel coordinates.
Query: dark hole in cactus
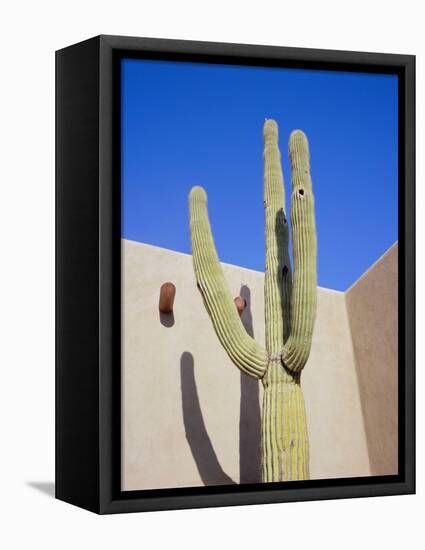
(301, 192)
(284, 269)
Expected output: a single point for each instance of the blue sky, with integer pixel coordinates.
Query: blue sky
(186, 124)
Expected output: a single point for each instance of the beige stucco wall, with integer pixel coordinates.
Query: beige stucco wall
(372, 308)
(189, 417)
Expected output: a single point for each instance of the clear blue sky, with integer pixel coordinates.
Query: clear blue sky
(185, 124)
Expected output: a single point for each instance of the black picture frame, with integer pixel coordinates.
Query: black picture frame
(88, 274)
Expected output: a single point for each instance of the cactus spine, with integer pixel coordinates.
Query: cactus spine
(290, 305)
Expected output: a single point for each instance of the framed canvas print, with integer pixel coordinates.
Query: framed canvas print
(235, 274)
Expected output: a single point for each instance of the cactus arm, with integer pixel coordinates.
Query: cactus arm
(296, 350)
(244, 352)
(277, 283)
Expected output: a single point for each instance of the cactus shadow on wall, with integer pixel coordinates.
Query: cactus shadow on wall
(250, 414)
(196, 434)
(197, 437)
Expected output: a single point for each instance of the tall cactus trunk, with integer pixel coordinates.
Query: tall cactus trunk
(285, 449)
(290, 305)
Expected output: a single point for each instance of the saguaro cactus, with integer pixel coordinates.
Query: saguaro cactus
(290, 304)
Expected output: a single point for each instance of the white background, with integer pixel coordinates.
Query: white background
(30, 32)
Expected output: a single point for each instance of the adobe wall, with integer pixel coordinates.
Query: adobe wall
(189, 416)
(372, 309)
